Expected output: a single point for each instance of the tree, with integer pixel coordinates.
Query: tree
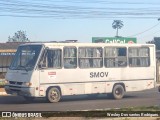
(19, 36)
(117, 24)
(155, 41)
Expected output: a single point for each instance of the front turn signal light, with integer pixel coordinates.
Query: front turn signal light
(6, 82)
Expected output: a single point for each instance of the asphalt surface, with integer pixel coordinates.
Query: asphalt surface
(84, 102)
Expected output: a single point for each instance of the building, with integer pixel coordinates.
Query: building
(7, 51)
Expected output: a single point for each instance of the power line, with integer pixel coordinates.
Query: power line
(151, 34)
(144, 31)
(61, 8)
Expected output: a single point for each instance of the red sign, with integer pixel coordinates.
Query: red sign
(51, 73)
(130, 42)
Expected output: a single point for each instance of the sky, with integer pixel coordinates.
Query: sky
(59, 20)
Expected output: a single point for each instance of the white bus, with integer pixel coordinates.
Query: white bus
(53, 70)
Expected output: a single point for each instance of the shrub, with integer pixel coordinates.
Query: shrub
(2, 83)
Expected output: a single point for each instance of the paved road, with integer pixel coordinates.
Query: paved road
(133, 99)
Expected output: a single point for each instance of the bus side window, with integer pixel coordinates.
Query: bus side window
(115, 57)
(122, 58)
(139, 57)
(70, 57)
(90, 57)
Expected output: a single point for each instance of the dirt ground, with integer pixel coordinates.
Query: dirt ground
(2, 90)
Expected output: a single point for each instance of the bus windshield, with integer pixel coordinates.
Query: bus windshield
(26, 57)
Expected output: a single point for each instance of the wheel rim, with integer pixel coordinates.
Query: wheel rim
(118, 92)
(54, 95)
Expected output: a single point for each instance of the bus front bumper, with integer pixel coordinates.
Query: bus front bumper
(22, 91)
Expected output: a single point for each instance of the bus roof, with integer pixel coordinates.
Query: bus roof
(50, 44)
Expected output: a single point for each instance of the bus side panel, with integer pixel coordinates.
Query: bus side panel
(138, 86)
(98, 87)
(73, 89)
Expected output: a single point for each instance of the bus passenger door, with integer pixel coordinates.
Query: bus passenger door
(48, 66)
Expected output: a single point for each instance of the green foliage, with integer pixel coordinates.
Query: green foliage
(2, 83)
(19, 36)
(117, 24)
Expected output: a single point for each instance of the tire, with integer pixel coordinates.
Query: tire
(118, 92)
(53, 95)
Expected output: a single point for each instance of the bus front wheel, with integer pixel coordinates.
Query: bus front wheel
(118, 92)
(53, 95)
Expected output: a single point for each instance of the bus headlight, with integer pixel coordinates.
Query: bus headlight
(6, 82)
(27, 84)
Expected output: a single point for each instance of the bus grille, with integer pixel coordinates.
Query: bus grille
(15, 83)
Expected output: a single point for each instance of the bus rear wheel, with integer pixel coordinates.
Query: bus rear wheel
(118, 92)
(53, 95)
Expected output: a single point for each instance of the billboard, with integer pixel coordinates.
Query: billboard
(113, 40)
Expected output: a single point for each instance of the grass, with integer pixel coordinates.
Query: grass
(142, 108)
(103, 113)
(2, 83)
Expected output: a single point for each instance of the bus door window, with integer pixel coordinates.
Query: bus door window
(43, 60)
(54, 58)
(51, 58)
